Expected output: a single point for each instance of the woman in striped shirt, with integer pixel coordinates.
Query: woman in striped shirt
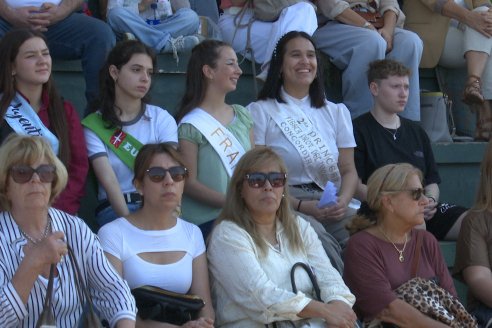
(33, 236)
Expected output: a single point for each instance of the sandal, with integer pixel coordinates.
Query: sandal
(473, 91)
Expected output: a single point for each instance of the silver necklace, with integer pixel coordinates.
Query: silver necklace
(389, 130)
(393, 134)
(45, 233)
(400, 251)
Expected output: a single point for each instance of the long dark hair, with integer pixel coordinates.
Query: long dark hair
(272, 86)
(9, 49)
(206, 53)
(119, 56)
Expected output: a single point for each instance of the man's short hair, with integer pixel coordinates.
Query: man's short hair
(383, 69)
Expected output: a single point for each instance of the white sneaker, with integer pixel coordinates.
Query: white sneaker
(129, 36)
(180, 44)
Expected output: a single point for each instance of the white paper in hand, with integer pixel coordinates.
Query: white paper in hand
(329, 196)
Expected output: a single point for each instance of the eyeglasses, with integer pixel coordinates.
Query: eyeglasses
(177, 173)
(24, 173)
(416, 193)
(258, 179)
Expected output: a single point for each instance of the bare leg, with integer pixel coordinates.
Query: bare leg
(475, 62)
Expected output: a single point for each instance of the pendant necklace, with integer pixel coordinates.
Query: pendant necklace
(35, 240)
(400, 251)
(392, 133)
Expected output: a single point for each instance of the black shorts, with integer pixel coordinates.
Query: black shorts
(444, 219)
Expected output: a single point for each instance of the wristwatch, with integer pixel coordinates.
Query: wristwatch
(367, 25)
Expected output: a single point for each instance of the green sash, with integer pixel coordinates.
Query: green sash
(125, 146)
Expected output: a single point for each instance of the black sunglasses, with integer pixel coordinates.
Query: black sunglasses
(157, 173)
(24, 173)
(416, 193)
(258, 179)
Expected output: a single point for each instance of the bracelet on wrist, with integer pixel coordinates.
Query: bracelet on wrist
(367, 25)
(299, 205)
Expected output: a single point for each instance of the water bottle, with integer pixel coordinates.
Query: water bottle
(155, 19)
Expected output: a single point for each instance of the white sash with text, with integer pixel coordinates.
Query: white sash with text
(22, 118)
(222, 140)
(320, 165)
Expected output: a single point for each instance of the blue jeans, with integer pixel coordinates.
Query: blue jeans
(184, 22)
(79, 36)
(108, 214)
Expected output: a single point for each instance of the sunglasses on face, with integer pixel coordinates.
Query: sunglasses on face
(258, 179)
(416, 193)
(157, 173)
(24, 173)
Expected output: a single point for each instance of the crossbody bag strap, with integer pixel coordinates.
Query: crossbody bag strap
(449, 103)
(47, 319)
(238, 24)
(416, 257)
(82, 290)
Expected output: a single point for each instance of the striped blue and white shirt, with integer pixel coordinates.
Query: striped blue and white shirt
(110, 294)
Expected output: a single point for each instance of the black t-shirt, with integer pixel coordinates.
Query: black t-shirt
(376, 147)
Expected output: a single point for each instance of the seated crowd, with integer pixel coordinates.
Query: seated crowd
(255, 210)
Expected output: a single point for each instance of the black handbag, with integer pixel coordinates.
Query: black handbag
(88, 318)
(154, 303)
(317, 292)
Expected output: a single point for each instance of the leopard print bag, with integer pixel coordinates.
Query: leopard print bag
(430, 299)
(435, 302)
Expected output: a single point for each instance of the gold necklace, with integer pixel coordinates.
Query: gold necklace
(400, 251)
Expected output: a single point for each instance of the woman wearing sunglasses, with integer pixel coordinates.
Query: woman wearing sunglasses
(380, 254)
(124, 122)
(31, 105)
(254, 246)
(153, 246)
(313, 135)
(34, 236)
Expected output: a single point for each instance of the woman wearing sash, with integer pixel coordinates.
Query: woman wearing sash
(212, 134)
(124, 123)
(31, 105)
(312, 135)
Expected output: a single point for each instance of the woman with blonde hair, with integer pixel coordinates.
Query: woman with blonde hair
(255, 244)
(380, 253)
(35, 237)
(473, 252)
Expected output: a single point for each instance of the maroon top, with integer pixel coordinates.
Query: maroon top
(69, 200)
(373, 271)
